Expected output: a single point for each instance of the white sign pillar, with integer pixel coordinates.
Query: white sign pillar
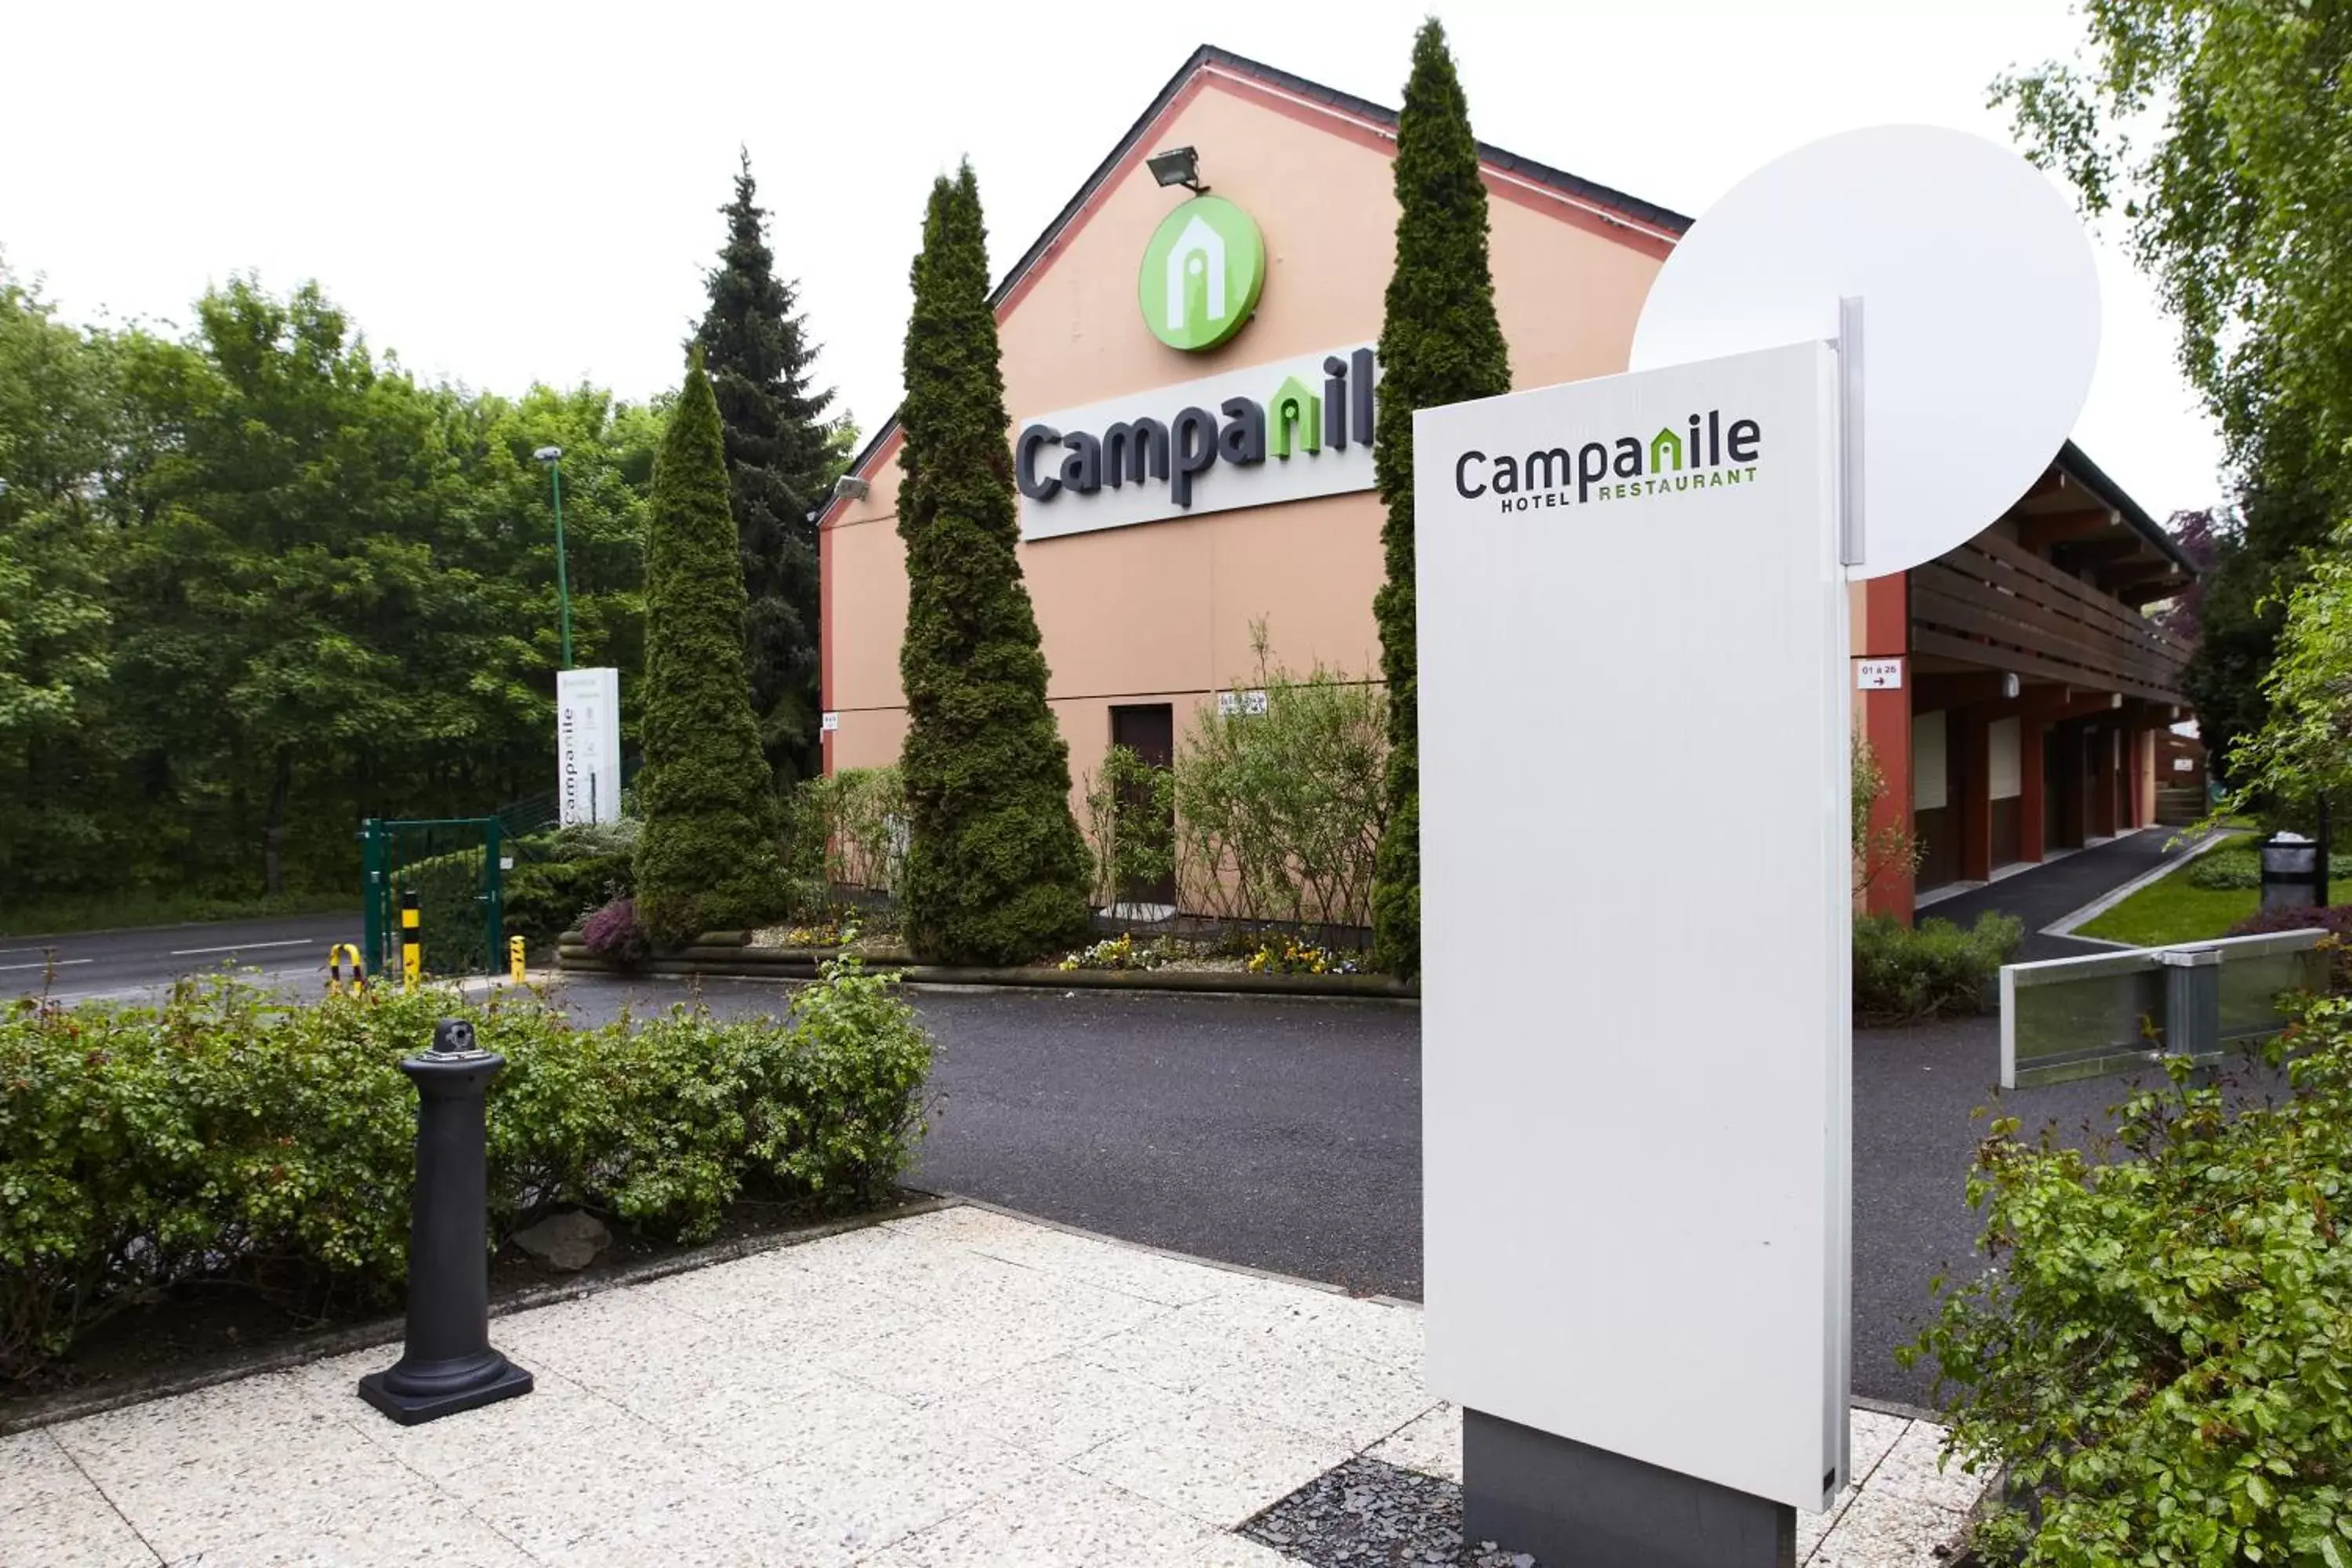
(588, 745)
(1636, 909)
(1636, 893)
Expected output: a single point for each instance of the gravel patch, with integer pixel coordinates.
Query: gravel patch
(1369, 1514)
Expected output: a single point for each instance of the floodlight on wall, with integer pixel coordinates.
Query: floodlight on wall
(1177, 166)
(849, 486)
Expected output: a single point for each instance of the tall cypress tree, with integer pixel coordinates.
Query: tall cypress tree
(708, 859)
(782, 456)
(1440, 343)
(996, 872)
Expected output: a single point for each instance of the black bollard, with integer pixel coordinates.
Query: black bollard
(447, 1364)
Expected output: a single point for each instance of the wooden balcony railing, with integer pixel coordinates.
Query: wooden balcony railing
(1992, 602)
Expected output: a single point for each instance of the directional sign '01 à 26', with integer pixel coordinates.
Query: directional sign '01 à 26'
(1636, 1128)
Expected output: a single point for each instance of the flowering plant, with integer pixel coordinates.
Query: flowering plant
(613, 934)
(1116, 952)
(1292, 956)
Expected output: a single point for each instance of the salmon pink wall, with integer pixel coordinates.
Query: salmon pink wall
(1162, 612)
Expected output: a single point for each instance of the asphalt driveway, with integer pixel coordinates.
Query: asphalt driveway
(288, 951)
(1287, 1134)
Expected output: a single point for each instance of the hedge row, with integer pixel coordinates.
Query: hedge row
(1939, 969)
(231, 1135)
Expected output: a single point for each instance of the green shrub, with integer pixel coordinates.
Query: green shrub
(231, 1135)
(450, 916)
(2239, 866)
(1901, 975)
(845, 830)
(2161, 1358)
(546, 897)
(1130, 816)
(1279, 812)
(588, 840)
(556, 880)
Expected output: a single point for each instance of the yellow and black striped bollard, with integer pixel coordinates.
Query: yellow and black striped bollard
(336, 955)
(515, 958)
(411, 943)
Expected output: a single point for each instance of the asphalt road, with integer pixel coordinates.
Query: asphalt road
(1287, 1134)
(132, 963)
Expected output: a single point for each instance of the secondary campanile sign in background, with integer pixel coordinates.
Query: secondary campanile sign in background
(1635, 1164)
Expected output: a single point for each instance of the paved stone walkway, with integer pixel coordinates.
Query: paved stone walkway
(961, 1387)
(2052, 890)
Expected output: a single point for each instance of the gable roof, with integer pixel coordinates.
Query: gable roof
(1642, 221)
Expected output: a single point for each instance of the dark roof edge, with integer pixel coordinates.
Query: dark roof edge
(2077, 462)
(1210, 53)
(1511, 162)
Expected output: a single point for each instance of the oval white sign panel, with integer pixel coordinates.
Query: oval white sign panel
(1980, 301)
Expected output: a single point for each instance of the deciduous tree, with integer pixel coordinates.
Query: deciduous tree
(2214, 130)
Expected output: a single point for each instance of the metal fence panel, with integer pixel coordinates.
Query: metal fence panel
(2078, 1017)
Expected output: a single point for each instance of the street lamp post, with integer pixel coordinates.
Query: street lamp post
(553, 457)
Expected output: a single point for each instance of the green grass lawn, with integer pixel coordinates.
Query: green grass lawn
(2174, 911)
(56, 917)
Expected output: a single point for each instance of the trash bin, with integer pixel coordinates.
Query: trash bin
(2290, 871)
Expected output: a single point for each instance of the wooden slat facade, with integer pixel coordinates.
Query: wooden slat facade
(1991, 603)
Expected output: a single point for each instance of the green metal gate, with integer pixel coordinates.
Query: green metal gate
(456, 867)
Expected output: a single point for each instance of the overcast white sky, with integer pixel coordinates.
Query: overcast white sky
(507, 193)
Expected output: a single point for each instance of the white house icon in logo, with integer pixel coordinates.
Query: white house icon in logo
(1198, 250)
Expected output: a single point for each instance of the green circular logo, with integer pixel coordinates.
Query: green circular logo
(1201, 274)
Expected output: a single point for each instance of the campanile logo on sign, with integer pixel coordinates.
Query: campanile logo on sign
(1201, 274)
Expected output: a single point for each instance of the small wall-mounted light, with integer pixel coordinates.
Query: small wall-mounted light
(1177, 166)
(2115, 699)
(2010, 685)
(849, 486)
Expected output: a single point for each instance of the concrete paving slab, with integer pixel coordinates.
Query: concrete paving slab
(995, 1392)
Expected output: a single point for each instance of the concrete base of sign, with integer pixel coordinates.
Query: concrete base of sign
(1569, 1505)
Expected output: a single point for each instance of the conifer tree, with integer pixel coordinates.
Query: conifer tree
(782, 456)
(1440, 343)
(996, 872)
(708, 859)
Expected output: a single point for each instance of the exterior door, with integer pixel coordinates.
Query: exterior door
(2055, 801)
(1148, 729)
